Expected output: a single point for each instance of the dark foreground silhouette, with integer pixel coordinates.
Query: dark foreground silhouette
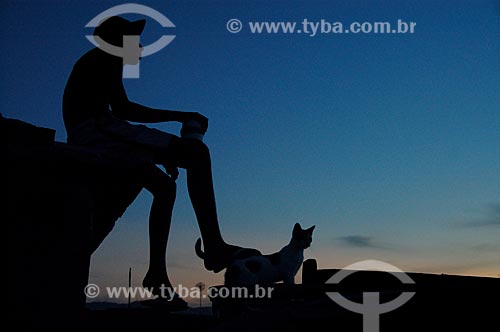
(55, 192)
(441, 303)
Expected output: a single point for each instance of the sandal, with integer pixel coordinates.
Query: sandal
(220, 261)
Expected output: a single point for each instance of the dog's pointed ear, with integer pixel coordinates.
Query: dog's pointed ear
(296, 228)
(311, 229)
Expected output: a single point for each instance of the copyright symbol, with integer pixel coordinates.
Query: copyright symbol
(91, 291)
(234, 25)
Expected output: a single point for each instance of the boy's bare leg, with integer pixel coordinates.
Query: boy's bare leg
(194, 156)
(163, 189)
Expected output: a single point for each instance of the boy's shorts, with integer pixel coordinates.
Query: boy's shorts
(119, 140)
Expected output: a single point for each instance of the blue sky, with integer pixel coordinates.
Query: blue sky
(389, 144)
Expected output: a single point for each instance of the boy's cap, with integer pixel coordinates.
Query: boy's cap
(114, 28)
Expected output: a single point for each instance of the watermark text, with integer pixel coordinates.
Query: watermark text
(93, 291)
(320, 27)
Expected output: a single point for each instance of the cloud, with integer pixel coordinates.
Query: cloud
(360, 241)
(490, 217)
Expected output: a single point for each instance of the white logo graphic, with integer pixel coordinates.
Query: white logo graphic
(371, 308)
(234, 25)
(130, 51)
(92, 291)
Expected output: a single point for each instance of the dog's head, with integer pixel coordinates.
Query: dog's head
(302, 237)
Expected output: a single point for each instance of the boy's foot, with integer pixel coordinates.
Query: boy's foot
(166, 297)
(218, 260)
(157, 283)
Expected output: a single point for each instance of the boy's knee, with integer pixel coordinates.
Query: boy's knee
(196, 150)
(187, 153)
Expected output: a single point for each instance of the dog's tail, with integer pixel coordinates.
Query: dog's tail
(197, 249)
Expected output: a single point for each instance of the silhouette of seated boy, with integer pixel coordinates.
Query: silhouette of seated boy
(96, 112)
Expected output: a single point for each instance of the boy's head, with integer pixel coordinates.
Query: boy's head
(112, 29)
(120, 37)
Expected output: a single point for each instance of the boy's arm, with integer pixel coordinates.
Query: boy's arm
(128, 110)
(131, 111)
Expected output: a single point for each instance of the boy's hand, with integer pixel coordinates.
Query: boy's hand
(203, 120)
